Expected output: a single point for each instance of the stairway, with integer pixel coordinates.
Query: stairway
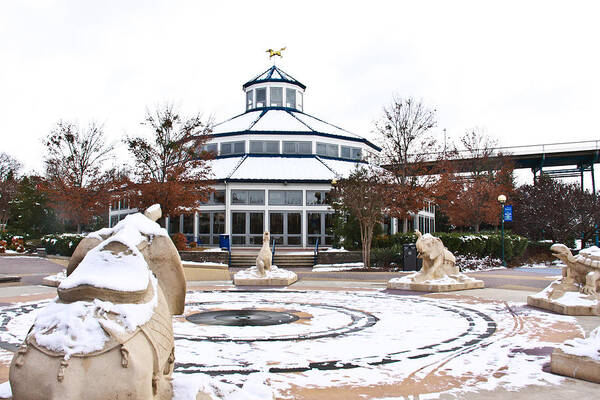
(282, 259)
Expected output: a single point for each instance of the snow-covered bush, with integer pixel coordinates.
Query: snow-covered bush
(63, 244)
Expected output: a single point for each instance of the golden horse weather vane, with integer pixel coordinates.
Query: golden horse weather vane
(273, 53)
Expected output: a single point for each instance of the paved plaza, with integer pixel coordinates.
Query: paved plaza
(342, 335)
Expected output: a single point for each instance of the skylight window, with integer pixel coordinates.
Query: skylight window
(290, 98)
(261, 97)
(249, 99)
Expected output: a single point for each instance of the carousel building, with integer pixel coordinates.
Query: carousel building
(273, 170)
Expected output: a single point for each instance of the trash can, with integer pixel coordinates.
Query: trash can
(224, 242)
(409, 257)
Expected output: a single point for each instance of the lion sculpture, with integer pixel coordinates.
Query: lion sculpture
(109, 333)
(438, 261)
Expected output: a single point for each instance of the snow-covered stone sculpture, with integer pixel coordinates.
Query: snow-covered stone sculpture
(109, 333)
(264, 273)
(439, 272)
(578, 358)
(577, 292)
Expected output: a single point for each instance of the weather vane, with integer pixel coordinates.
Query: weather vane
(273, 53)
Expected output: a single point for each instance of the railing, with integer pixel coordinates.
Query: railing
(273, 251)
(316, 253)
(534, 148)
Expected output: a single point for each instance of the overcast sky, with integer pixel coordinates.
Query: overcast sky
(524, 71)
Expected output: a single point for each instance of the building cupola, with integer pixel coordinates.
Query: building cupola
(274, 88)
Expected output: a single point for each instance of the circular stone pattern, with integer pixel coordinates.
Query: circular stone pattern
(242, 318)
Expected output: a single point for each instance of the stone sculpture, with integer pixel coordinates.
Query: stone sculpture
(264, 273)
(265, 258)
(439, 272)
(578, 291)
(578, 358)
(109, 334)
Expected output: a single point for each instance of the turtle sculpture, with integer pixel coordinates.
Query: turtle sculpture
(109, 333)
(582, 270)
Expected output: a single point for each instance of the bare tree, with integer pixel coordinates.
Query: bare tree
(171, 169)
(76, 184)
(362, 194)
(404, 130)
(9, 184)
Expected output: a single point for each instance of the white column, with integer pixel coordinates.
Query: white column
(195, 226)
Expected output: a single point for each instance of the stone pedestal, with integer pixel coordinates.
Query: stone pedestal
(579, 367)
(205, 271)
(274, 277)
(448, 283)
(565, 298)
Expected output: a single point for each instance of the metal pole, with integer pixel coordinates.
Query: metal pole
(502, 218)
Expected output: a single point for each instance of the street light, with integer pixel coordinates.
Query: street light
(502, 200)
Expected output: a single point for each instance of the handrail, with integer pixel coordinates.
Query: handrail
(273, 251)
(316, 252)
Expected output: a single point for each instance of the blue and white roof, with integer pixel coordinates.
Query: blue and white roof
(280, 121)
(273, 74)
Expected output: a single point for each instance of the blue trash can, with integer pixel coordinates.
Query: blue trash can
(224, 242)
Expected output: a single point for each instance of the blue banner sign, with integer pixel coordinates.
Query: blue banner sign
(508, 213)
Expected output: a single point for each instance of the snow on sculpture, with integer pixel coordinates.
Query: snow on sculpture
(439, 272)
(577, 292)
(264, 273)
(109, 333)
(578, 358)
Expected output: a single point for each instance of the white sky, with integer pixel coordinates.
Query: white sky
(524, 71)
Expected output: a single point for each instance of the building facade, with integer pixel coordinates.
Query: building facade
(273, 169)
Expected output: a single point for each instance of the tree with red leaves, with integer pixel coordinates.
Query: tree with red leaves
(76, 184)
(171, 169)
(363, 194)
(9, 184)
(472, 199)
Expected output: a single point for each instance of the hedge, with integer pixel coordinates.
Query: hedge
(63, 244)
(467, 244)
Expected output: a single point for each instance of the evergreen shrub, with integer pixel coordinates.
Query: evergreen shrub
(62, 245)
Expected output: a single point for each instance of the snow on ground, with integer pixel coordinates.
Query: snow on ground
(332, 250)
(58, 277)
(588, 347)
(337, 267)
(5, 390)
(458, 342)
(203, 264)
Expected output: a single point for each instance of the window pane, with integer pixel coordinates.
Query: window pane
(345, 152)
(276, 197)
(314, 223)
(204, 223)
(239, 197)
(226, 148)
(256, 223)
(256, 197)
(290, 98)
(188, 224)
(238, 240)
(332, 150)
(356, 153)
(293, 197)
(304, 147)
(238, 222)
(256, 147)
(218, 223)
(249, 99)
(289, 147)
(294, 224)
(328, 223)
(276, 97)
(174, 224)
(322, 149)
(261, 97)
(272, 146)
(239, 147)
(314, 197)
(294, 240)
(276, 223)
(219, 197)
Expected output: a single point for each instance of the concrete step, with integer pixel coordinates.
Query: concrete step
(282, 260)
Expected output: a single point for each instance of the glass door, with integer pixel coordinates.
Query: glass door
(247, 228)
(286, 227)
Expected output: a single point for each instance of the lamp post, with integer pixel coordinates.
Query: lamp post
(502, 200)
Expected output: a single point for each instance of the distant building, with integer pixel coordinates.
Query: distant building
(273, 169)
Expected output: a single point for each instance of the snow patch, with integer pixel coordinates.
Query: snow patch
(588, 347)
(338, 267)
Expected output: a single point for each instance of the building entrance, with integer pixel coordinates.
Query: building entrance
(286, 227)
(247, 228)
